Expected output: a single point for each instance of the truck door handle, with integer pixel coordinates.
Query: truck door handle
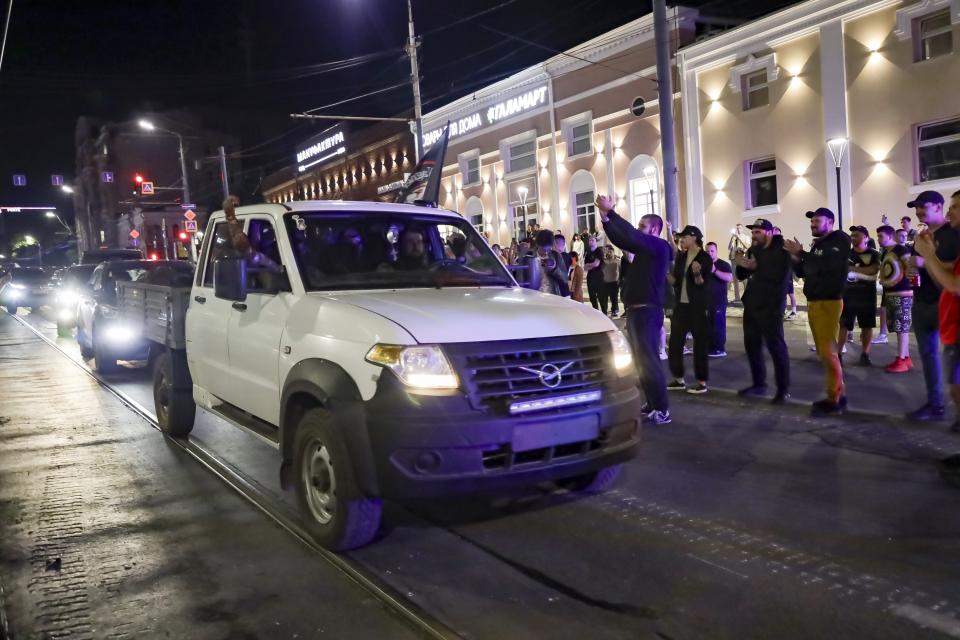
(239, 306)
(200, 299)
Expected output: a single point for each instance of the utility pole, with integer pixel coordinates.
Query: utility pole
(6, 29)
(183, 170)
(415, 79)
(668, 142)
(224, 178)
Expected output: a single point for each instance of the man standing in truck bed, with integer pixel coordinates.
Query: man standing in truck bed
(643, 292)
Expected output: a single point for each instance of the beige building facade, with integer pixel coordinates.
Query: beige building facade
(540, 145)
(879, 79)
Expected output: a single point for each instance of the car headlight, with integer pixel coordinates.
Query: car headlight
(420, 367)
(120, 334)
(14, 285)
(67, 298)
(622, 355)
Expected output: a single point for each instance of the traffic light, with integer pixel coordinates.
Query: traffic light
(183, 235)
(138, 178)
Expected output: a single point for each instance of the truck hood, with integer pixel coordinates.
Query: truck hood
(475, 315)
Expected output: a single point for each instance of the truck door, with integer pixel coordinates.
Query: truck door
(257, 325)
(207, 320)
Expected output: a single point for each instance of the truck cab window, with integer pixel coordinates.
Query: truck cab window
(219, 248)
(264, 265)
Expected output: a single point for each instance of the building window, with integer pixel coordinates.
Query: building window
(934, 36)
(938, 150)
(581, 140)
(523, 156)
(756, 91)
(762, 187)
(586, 210)
(472, 175)
(523, 217)
(477, 222)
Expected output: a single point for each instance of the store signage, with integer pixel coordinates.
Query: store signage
(509, 108)
(319, 150)
(393, 186)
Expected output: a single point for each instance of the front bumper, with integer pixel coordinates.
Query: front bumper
(427, 446)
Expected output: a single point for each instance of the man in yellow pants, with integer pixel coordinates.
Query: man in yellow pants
(824, 271)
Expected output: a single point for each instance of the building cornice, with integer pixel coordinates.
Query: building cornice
(909, 13)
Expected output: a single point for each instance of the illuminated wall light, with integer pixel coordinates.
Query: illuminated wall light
(599, 148)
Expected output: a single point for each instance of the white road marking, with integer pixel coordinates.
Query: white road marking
(927, 618)
(717, 566)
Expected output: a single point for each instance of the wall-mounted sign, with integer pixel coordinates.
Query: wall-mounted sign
(329, 145)
(522, 103)
(56, 180)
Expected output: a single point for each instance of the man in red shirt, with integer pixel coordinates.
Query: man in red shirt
(948, 277)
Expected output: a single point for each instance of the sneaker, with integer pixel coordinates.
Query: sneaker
(700, 387)
(687, 350)
(813, 347)
(791, 315)
(677, 385)
(881, 339)
(825, 408)
(865, 360)
(717, 354)
(844, 350)
(900, 365)
(780, 398)
(850, 336)
(926, 413)
(754, 390)
(663, 355)
(657, 417)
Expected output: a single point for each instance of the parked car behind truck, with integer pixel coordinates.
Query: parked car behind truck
(389, 354)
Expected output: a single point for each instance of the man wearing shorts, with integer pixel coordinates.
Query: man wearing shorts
(860, 296)
(897, 295)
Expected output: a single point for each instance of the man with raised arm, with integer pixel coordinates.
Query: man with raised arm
(643, 294)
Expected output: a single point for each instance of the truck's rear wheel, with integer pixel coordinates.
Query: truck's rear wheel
(174, 405)
(63, 331)
(103, 361)
(596, 482)
(336, 512)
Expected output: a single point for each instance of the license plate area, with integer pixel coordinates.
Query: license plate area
(551, 433)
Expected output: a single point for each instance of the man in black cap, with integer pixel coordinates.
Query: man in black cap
(824, 271)
(691, 268)
(928, 206)
(860, 297)
(643, 294)
(770, 271)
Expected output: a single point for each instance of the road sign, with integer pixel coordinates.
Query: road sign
(188, 206)
(19, 180)
(190, 226)
(146, 188)
(134, 234)
(190, 215)
(106, 176)
(56, 180)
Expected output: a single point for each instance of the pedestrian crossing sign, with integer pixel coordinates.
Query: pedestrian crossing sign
(146, 188)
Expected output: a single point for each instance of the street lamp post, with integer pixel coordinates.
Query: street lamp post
(522, 192)
(146, 125)
(415, 80)
(53, 214)
(837, 147)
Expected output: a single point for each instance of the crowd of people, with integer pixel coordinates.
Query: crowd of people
(636, 272)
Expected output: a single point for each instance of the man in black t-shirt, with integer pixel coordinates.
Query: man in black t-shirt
(718, 282)
(593, 265)
(928, 206)
(860, 296)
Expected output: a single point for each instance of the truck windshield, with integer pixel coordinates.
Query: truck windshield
(366, 250)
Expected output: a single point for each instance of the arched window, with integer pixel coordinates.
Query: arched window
(473, 211)
(583, 194)
(643, 179)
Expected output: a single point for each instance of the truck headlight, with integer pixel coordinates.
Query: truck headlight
(622, 355)
(420, 367)
(17, 286)
(120, 334)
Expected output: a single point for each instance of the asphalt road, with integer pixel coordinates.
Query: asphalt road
(738, 520)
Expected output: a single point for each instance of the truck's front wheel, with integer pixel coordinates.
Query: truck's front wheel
(596, 482)
(103, 360)
(335, 510)
(174, 405)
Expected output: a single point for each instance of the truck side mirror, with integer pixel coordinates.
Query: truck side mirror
(230, 279)
(527, 272)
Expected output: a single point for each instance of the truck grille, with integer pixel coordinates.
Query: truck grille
(497, 374)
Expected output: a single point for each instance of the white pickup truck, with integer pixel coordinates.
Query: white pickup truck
(388, 353)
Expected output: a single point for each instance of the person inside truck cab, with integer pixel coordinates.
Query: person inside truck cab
(249, 247)
(413, 253)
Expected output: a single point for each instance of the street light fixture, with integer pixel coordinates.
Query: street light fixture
(66, 188)
(838, 147)
(146, 125)
(53, 214)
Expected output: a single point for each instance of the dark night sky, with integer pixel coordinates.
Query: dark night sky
(113, 60)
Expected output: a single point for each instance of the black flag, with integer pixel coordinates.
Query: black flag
(423, 185)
